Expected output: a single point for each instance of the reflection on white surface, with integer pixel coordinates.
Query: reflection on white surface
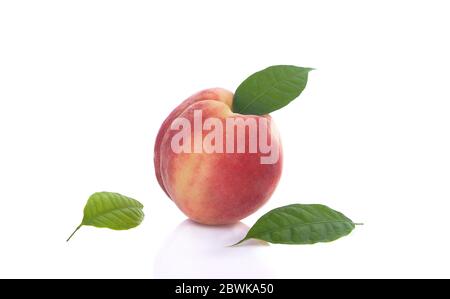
(199, 251)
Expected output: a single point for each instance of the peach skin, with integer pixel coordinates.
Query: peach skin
(221, 173)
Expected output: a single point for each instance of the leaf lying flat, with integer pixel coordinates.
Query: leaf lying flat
(111, 210)
(301, 224)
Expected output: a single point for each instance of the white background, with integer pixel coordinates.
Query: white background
(85, 85)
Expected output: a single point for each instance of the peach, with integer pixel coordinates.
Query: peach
(218, 187)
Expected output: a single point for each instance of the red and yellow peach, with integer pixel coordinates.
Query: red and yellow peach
(219, 187)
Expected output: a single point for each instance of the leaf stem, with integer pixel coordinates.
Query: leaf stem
(79, 226)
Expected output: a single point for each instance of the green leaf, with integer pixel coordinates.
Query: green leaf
(300, 224)
(111, 210)
(270, 89)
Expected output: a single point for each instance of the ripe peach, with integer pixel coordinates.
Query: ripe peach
(218, 187)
